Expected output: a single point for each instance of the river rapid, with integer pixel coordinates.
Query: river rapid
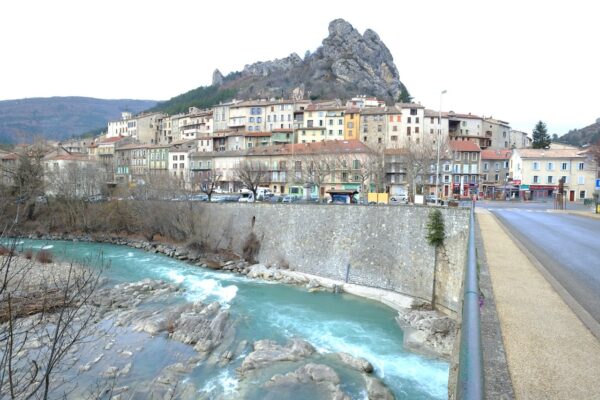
(259, 310)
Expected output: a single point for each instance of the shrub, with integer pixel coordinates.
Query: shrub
(28, 254)
(44, 257)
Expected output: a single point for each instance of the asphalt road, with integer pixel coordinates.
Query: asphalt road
(567, 245)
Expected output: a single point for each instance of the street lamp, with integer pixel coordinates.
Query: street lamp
(439, 134)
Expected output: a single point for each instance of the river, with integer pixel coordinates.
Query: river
(262, 310)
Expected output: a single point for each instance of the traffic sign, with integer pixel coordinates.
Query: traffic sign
(597, 184)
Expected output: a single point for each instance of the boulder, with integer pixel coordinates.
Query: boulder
(376, 390)
(267, 352)
(357, 363)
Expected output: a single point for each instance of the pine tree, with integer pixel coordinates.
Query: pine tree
(541, 139)
(405, 96)
(435, 228)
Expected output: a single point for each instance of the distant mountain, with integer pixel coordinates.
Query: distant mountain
(347, 64)
(580, 137)
(60, 117)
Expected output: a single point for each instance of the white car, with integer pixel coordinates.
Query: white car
(399, 199)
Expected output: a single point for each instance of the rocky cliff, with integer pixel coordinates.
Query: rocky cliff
(346, 64)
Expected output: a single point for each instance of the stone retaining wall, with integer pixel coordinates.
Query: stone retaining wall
(384, 246)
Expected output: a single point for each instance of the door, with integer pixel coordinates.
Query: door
(571, 195)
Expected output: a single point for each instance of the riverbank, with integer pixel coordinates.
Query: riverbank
(142, 325)
(426, 331)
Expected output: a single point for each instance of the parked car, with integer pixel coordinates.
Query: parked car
(398, 199)
(289, 199)
(275, 199)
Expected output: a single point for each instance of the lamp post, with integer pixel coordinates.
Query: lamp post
(439, 134)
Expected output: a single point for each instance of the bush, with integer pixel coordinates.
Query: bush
(44, 257)
(28, 254)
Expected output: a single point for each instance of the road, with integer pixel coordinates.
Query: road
(568, 246)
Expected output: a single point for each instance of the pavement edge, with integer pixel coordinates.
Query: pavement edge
(498, 382)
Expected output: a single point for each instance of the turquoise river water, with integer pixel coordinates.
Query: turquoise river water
(264, 310)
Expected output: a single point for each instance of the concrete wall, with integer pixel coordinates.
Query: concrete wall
(385, 246)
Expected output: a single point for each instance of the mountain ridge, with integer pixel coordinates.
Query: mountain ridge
(60, 117)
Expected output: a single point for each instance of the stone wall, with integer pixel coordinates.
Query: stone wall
(384, 246)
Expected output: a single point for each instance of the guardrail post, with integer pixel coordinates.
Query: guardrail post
(470, 385)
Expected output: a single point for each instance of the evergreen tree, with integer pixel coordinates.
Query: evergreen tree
(405, 96)
(435, 228)
(541, 139)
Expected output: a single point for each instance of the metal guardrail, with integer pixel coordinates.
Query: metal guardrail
(470, 368)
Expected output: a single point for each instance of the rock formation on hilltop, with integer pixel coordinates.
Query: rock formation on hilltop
(346, 64)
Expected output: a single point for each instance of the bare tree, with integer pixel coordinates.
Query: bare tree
(317, 168)
(208, 181)
(252, 173)
(418, 159)
(48, 306)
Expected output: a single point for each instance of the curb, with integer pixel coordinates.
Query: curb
(498, 382)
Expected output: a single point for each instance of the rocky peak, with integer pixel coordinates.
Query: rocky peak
(347, 64)
(217, 78)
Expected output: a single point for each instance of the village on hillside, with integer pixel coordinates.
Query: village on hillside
(307, 149)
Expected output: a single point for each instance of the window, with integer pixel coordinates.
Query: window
(550, 179)
(505, 164)
(379, 128)
(485, 166)
(564, 178)
(536, 166)
(581, 180)
(580, 166)
(564, 166)
(408, 120)
(331, 132)
(416, 129)
(174, 158)
(344, 176)
(379, 140)
(416, 120)
(340, 132)
(536, 179)
(350, 125)
(550, 166)
(350, 133)
(496, 177)
(355, 164)
(394, 138)
(485, 176)
(364, 138)
(582, 194)
(395, 128)
(497, 166)
(413, 111)
(456, 178)
(330, 122)
(174, 165)
(408, 130)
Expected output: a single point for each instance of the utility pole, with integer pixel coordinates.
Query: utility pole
(439, 134)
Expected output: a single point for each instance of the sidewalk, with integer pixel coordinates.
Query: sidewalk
(550, 353)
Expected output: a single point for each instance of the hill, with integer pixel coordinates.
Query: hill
(60, 117)
(581, 137)
(347, 64)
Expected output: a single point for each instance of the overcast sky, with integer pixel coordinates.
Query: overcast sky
(520, 61)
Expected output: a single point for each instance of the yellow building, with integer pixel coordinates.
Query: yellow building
(352, 124)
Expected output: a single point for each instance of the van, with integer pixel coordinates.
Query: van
(246, 196)
(263, 193)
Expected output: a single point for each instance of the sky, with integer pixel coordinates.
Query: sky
(519, 61)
